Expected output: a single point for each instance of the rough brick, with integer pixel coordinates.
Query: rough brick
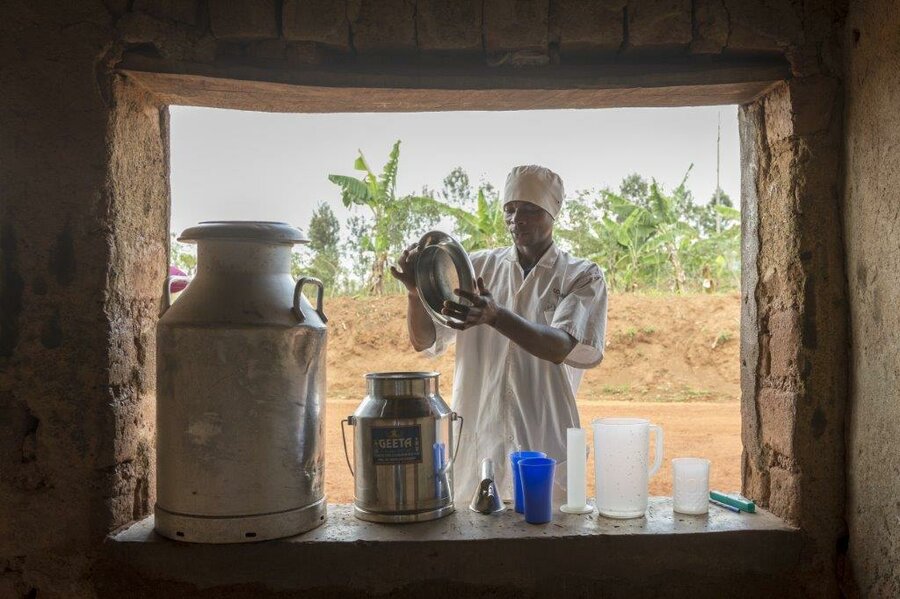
(267, 49)
(304, 53)
(383, 25)
(777, 414)
(710, 27)
(784, 342)
(516, 25)
(173, 41)
(244, 20)
(184, 11)
(779, 119)
(761, 25)
(784, 491)
(659, 24)
(323, 21)
(449, 25)
(588, 26)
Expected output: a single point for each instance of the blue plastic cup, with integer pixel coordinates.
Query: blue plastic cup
(515, 457)
(537, 488)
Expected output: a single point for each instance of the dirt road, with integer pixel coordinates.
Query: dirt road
(710, 430)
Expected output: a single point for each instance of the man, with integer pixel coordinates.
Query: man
(537, 321)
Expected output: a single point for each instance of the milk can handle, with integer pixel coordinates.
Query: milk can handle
(657, 459)
(348, 420)
(298, 290)
(167, 291)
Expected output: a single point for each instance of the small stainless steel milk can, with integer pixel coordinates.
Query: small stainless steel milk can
(404, 446)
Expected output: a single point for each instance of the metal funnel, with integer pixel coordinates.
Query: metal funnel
(487, 497)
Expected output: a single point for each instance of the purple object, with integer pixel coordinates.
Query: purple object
(537, 488)
(515, 457)
(178, 284)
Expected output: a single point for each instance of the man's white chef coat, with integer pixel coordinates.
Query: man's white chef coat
(511, 400)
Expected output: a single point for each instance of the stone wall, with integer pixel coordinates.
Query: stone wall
(83, 242)
(872, 230)
(793, 331)
(794, 315)
(84, 220)
(296, 33)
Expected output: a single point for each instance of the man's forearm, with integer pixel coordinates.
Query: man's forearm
(540, 340)
(419, 324)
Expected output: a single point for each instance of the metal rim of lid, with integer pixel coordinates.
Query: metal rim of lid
(393, 376)
(463, 266)
(247, 230)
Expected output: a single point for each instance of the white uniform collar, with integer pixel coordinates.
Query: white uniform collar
(546, 261)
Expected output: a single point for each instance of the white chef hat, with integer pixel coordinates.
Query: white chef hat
(536, 185)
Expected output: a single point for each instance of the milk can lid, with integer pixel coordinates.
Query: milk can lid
(251, 230)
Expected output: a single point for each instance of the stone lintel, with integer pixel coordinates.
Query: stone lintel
(357, 88)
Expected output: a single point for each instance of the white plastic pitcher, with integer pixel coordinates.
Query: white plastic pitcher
(621, 455)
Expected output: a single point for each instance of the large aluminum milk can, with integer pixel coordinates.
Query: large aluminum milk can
(404, 446)
(240, 410)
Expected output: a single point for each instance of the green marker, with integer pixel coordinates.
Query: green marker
(734, 500)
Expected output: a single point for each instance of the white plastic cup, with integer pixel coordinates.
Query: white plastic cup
(690, 485)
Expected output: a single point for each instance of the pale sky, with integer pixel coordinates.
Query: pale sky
(236, 165)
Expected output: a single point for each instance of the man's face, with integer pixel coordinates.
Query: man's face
(528, 223)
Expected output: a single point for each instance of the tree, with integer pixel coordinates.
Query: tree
(182, 255)
(643, 236)
(394, 220)
(324, 255)
(479, 222)
(457, 190)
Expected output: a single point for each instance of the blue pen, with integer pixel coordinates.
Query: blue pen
(730, 508)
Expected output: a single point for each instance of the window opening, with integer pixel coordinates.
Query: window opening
(652, 196)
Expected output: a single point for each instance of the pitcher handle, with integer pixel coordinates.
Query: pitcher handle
(320, 294)
(657, 459)
(348, 420)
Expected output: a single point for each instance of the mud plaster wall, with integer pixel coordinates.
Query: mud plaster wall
(83, 214)
(85, 218)
(872, 224)
(793, 357)
(794, 313)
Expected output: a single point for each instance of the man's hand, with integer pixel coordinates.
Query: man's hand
(482, 311)
(405, 270)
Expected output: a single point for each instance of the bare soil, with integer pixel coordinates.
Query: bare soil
(671, 359)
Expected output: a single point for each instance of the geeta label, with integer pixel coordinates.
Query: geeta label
(397, 444)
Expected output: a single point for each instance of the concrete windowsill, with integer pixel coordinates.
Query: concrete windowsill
(469, 548)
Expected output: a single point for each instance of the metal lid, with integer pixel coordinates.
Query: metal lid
(442, 267)
(250, 230)
(402, 376)
(402, 385)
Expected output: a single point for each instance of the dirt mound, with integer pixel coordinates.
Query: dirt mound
(659, 348)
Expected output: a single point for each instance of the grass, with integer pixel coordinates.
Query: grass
(632, 335)
(722, 338)
(616, 389)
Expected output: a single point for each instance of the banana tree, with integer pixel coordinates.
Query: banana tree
(484, 228)
(391, 216)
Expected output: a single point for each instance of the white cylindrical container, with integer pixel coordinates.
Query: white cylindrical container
(621, 458)
(576, 467)
(690, 485)
(240, 393)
